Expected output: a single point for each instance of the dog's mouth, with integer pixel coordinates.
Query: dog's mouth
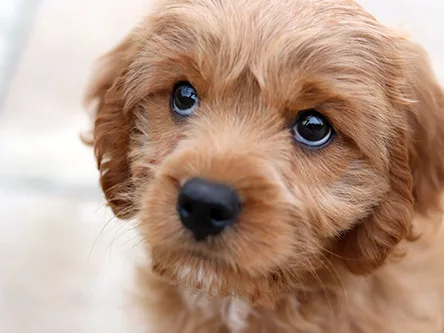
(189, 257)
(204, 274)
(193, 270)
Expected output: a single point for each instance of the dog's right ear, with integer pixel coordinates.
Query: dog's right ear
(112, 126)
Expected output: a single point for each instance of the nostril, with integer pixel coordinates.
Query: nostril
(187, 208)
(220, 214)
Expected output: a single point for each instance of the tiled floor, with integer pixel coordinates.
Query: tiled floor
(59, 272)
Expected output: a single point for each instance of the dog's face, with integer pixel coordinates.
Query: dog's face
(256, 140)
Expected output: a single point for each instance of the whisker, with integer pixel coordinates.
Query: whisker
(324, 288)
(100, 233)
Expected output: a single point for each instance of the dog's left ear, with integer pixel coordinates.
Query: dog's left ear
(416, 167)
(426, 120)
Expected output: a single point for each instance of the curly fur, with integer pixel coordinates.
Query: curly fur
(343, 239)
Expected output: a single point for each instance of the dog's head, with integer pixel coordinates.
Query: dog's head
(256, 140)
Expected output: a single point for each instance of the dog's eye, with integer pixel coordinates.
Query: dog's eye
(312, 129)
(184, 100)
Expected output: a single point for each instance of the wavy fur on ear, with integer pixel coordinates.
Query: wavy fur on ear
(113, 126)
(416, 166)
(367, 246)
(426, 116)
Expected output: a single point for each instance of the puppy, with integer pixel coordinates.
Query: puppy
(285, 163)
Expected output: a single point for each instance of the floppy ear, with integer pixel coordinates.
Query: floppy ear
(416, 167)
(426, 116)
(112, 126)
(366, 247)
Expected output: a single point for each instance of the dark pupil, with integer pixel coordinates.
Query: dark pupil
(313, 127)
(185, 97)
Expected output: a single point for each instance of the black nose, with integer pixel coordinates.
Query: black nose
(206, 208)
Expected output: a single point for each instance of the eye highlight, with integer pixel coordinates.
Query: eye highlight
(184, 99)
(312, 129)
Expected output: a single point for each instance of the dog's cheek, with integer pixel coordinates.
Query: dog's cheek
(336, 207)
(262, 241)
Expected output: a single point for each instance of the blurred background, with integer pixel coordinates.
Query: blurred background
(65, 263)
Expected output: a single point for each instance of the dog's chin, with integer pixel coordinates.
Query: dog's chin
(192, 271)
(216, 279)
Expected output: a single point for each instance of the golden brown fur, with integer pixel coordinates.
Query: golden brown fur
(342, 239)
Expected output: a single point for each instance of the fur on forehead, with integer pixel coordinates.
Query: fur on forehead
(297, 61)
(221, 40)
